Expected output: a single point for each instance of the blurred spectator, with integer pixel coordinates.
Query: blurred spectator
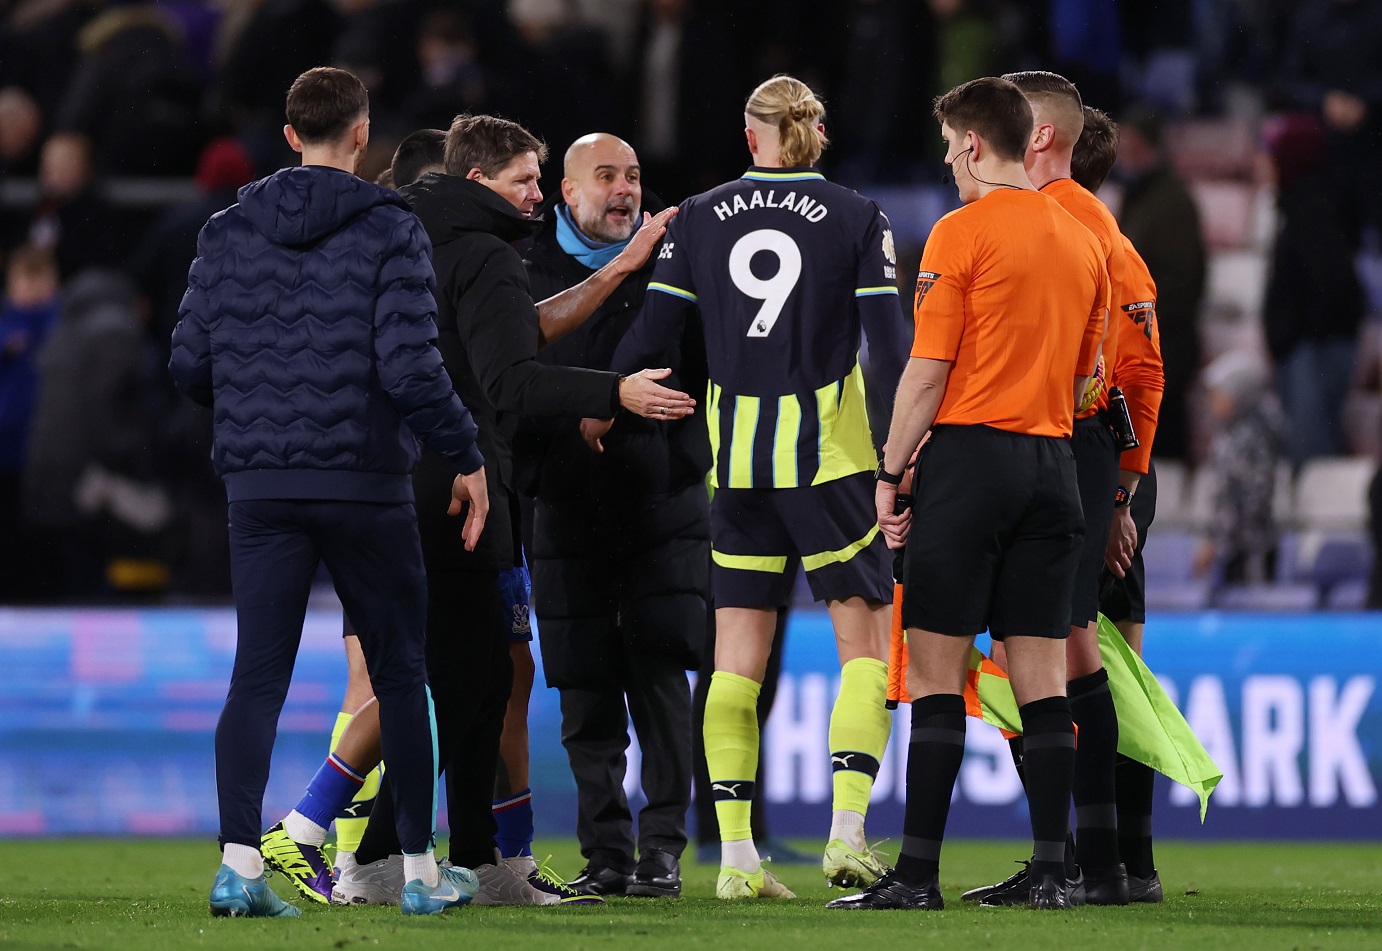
(90, 477)
(862, 115)
(133, 94)
(1333, 66)
(28, 313)
(263, 46)
(1314, 301)
(689, 85)
(71, 220)
(1160, 218)
(1087, 48)
(20, 124)
(967, 42)
(40, 51)
(159, 264)
(1243, 456)
(453, 81)
(560, 74)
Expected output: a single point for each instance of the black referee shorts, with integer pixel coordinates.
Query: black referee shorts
(1096, 467)
(759, 536)
(995, 537)
(1125, 598)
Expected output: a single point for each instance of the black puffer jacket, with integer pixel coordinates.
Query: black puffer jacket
(488, 335)
(642, 459)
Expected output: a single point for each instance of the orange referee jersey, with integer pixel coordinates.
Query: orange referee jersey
(1137, 369)
(1089, 211)
(1013, 291)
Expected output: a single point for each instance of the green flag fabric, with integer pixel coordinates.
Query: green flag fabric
(1150, 728)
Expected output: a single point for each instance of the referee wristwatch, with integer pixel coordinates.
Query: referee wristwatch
(883, 475)
(1122, 498)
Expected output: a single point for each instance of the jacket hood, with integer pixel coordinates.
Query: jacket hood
(450, 206)
(297, 206)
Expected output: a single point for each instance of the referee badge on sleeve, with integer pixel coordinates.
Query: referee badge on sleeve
(925, 281)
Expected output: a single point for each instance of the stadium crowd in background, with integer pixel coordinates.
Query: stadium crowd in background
(109, 112)
(124, 127)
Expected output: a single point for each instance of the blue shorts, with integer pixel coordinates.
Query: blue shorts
(515, 595)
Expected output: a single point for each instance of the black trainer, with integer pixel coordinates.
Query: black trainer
(658, 875)
(1107, 886)
(601, 880)
(1017, 884)
(891, 892)
(1145, 889)
(1049, 892)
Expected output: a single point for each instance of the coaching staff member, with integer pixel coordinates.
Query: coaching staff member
(1010, 309)
(621, 547)
(308, 328)
(489, 334)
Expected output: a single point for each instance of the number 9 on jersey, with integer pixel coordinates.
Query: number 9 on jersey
(772, 291)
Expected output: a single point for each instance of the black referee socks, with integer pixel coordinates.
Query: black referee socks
(1136, 783)
(1048, 759)
(933, 764)
(1096, 811)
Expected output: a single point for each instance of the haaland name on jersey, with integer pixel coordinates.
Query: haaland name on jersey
(813, 211)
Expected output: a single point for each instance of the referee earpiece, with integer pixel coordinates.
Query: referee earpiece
(945, 176)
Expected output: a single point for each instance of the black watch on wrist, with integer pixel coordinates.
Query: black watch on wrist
(883, 475)
(1121, 498)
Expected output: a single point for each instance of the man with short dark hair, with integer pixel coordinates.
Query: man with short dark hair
(420, 152)
(308, 328)
(997, 511)
(489, 336)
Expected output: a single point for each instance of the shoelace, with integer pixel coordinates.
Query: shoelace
(549, 877)
(878, 855)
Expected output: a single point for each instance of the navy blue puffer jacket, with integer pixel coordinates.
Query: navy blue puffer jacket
(309, 327)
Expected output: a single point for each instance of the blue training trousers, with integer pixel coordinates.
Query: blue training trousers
(375, 559)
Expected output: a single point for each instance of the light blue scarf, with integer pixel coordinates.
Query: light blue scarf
(593, 254)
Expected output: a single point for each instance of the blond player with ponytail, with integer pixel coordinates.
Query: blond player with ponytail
(786, 271)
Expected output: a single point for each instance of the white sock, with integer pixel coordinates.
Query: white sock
(422, 866)
(304, 830)
(742, 855)
(243, 860)
(848, 825)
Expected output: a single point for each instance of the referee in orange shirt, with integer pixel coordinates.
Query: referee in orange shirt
(1138, 372)
(1010, 309)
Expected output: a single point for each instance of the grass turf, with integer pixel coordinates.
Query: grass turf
(152, 895)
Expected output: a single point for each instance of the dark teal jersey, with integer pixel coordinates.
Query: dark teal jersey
(785, 269)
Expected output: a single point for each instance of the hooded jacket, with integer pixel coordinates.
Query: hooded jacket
(488, 337)
(308, 327)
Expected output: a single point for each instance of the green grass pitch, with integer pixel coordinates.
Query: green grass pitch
(151, 895)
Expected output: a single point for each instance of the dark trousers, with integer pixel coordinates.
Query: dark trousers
(707, 823)
(375, 560)
(621, 609)
(471, 673)
(595, 732)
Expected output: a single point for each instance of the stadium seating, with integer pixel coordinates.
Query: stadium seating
(1331, 494)
(1347, 596)
(1191, 595)
(1213, 148)
(1267, 597)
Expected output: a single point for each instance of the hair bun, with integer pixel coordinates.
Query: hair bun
(804, 109)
